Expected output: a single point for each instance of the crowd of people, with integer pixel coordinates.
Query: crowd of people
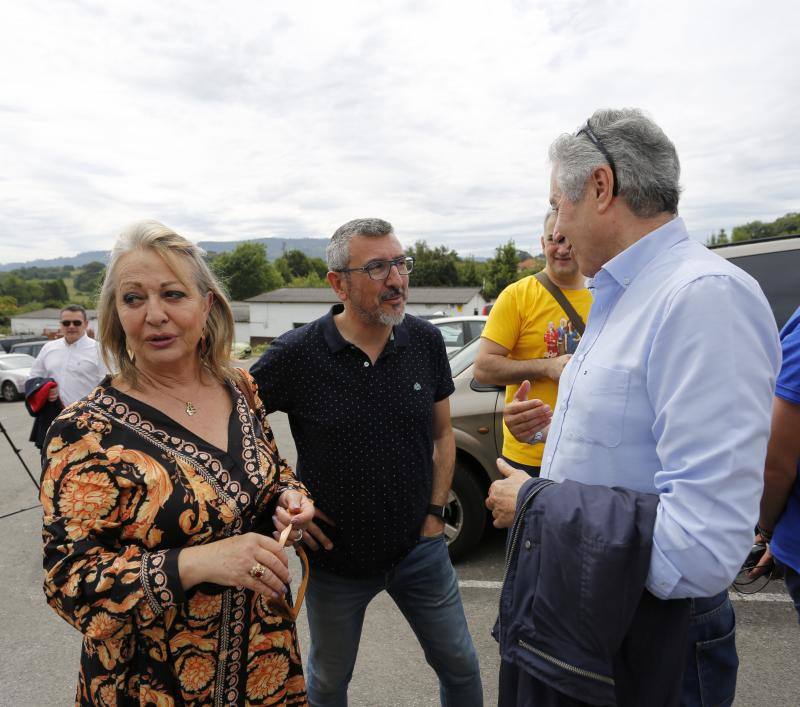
(642, 429)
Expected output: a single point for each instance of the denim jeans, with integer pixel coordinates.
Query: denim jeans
(425, 588)
(712, 663)
(792, 581)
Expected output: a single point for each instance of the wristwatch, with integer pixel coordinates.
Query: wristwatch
(437, 511)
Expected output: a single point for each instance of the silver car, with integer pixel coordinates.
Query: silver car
(15, 369)
(476, 411)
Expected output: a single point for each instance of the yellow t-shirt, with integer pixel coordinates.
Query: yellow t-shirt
(530, 324)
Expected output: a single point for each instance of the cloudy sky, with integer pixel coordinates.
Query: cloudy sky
(251, 119)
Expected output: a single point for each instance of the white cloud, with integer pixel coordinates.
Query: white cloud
(267, 119)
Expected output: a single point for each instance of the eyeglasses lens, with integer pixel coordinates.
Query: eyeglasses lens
(72, 322)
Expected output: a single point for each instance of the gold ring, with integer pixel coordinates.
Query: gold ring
(257, 571)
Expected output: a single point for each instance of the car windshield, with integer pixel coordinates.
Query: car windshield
(13, 361)
(464, 357)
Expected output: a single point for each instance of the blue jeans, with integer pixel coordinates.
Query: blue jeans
(712, 663)
(425, 588)
(792, 581)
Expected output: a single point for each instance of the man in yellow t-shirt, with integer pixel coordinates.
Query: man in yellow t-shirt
(529, 337)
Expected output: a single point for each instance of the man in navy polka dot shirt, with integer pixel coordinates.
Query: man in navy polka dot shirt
(366, 389)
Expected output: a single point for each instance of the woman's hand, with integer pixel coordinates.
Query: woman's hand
(294, 509)
(228, 562)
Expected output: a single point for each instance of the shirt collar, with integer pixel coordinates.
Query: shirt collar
(336, 342)
(80, 340)
(625, 266)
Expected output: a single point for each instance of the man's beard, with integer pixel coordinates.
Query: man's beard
(379, 316)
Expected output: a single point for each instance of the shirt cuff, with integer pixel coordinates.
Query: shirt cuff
(161, 580)
(663, 576)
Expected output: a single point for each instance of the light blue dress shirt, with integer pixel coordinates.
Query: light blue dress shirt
(670, 392)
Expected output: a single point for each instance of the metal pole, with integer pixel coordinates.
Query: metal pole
(19, 456)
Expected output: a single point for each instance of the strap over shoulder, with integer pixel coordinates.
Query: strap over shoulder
(564, 303)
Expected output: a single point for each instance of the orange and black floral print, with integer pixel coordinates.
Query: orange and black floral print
(124, 489)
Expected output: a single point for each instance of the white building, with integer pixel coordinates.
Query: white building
(45, 322)
(241, 321)
(273, 313)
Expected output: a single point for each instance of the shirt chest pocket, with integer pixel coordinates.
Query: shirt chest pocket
(596, 410)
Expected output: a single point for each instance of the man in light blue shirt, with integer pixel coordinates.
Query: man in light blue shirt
(670, 388)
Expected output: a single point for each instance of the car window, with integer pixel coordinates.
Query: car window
(475, 329)
(464, 358)
(452, 333)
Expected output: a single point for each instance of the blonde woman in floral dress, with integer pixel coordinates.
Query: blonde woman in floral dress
(162, 490)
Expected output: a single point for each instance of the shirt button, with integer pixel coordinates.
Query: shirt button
(626, 281)
(527, 544)
(549, 459)
(581, 357)
(366, 364)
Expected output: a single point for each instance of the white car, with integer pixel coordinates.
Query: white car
(459, 331)
(15, 369)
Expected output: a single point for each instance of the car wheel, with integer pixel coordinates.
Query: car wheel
(465, 515)
(10, 393)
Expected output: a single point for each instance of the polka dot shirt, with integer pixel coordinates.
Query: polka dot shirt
(363, 433)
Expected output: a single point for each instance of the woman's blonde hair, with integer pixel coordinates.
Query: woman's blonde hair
(182, 257)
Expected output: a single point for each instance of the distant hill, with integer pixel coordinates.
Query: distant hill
(312, 247)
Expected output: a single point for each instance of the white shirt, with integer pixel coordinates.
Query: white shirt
(670, 392)
(77, 368)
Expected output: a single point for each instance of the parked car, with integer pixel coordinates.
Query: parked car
(459, 331)
(32, 348)
(15, 369)
(9, 341)
(476, 411)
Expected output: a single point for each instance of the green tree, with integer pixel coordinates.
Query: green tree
(470, 273)
(788, 224)
(54, 293)
(433, 267)
(246, 271)
(90, 277)
(501, 270)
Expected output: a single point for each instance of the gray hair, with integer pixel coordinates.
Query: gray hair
(184, 258)
(646, 161)
(338, 250)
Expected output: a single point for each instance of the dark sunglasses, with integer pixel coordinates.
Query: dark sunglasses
(587, 130)
(71, 322)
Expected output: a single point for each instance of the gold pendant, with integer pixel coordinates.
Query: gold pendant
(190, 409)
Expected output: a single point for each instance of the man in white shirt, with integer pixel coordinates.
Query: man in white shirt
(73, 361)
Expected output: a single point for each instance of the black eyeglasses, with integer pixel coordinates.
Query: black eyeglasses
(380, 269)
(587, 130)
(73, 322)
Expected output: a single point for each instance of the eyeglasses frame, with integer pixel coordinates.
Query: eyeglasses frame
(587, 130)
(395, 263)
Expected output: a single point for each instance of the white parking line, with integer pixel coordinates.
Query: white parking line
(735, 596)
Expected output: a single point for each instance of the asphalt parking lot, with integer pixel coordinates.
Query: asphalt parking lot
(39, 651)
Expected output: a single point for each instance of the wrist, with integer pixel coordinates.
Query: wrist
(437, 511)
(190, 566)
(766, 534)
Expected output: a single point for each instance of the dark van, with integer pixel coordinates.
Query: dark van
(775, 263)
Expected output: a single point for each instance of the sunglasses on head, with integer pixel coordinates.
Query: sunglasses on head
(71, 322)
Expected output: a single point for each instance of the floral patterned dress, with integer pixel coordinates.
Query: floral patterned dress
(124, 488)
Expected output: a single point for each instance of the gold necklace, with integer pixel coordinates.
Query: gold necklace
(190, 409)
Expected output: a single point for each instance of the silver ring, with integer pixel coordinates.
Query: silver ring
(299, 535)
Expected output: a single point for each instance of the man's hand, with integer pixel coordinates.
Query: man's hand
(52, 394)
(556, 366)
(432, 526)
(524, 418)
(313, 535)
(502, 500)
